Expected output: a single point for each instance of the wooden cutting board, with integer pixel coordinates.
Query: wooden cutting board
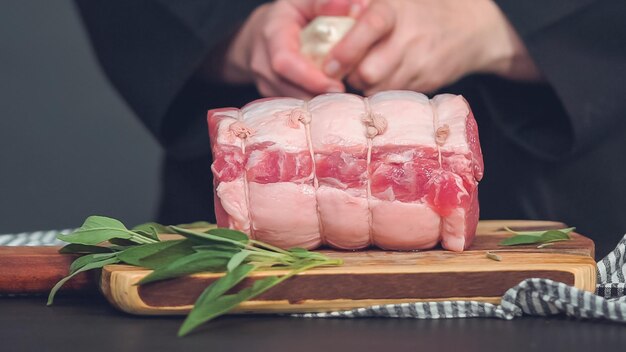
(378, 277)
(35, 270)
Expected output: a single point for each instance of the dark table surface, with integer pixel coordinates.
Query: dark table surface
(90, 324)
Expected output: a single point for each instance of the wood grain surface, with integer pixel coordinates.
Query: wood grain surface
(35, 270)
(377, 277)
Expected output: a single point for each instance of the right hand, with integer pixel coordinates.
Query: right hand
(423, 45)
(266, 51)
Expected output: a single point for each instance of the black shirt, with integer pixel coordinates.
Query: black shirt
(553, 150)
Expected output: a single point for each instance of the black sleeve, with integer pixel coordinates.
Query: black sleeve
(151, 51)
(580, 47)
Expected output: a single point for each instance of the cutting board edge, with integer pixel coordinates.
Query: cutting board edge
(120, 290)
(487, 265)
(284, 307)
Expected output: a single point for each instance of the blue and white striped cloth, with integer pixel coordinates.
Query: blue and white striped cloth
(530, 297)
(38, 238)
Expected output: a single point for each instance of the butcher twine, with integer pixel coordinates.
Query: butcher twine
(240, 130)
(294, 119)
(375, 124)
(441, 135)
(530, 297)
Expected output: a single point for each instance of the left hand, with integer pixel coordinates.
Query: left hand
(266, 50)
(423, 45)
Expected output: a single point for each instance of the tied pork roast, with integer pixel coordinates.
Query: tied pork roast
(396, 170)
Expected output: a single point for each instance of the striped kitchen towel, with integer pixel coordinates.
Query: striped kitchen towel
(530, 297)
(38, 238)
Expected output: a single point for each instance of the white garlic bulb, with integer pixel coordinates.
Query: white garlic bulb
(321, 35)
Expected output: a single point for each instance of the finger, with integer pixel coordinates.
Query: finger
(268, 81)
(429, 74)
(282, 40)
(351, 8)
(332, 7)
(426, 84)
(401, 77)
(310, 9)
(373, 24)
(380, 63)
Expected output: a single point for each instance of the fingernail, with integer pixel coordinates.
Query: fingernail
(334, 89)
(332, 67)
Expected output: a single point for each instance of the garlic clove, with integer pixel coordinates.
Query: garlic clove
(322, 34)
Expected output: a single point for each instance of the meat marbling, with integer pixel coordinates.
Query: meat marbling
(396, 170)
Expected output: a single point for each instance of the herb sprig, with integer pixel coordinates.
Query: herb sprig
(534, 237)
(204, 248)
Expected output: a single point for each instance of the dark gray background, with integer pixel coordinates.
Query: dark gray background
(69, 146)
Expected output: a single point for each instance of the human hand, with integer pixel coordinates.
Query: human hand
(423, 45)
(266, 50)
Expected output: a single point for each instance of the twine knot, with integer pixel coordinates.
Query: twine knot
(240, 130)
(441, 135)
(297, 116)
(375, 123)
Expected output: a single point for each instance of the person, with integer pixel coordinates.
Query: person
(545, 82)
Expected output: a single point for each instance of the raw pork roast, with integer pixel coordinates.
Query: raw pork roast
(395, 170)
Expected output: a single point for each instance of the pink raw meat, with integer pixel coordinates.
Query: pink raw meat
(396, 170)
(340, 147)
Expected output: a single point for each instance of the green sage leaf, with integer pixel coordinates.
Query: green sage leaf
(75, 248)
(300, 252)
(213, 302)
(226, 282)
(122, 242)
(202, 250)
(209, 305)
(97, 221)
(227, 247)
(136, 254)
(230, 234)
(168, 255)
(210, 237)
(198, 225)
(89, 258)
(539, 233)
(97, 229)
(237, 259)
(94, 236)
(306, 254)
(153, 227)
(191, 264)
(86, 267)
(223, 304)
(534, 237)
(151, 233)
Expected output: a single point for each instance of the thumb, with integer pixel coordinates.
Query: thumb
(376, 22)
